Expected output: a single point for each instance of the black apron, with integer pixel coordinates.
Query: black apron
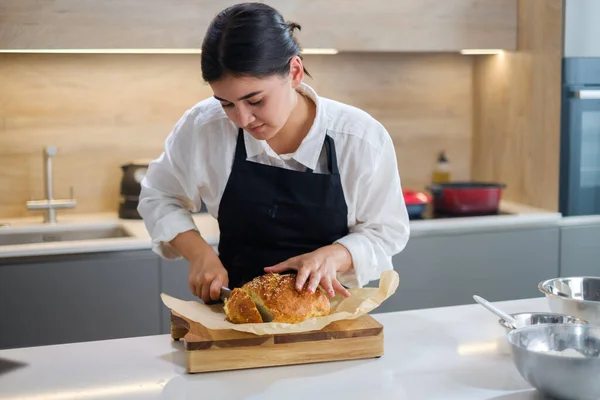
(269, 214)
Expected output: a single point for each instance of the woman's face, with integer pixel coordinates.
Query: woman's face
(261, 106)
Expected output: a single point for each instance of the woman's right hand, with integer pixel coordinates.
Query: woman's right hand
(207, 276)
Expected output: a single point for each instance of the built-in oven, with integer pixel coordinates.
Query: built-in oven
(580, 137)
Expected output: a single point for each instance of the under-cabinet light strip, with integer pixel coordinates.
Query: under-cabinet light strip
(136, 51)
(480, 51)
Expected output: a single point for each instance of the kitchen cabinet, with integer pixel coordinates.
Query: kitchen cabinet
(174, 282)
(580, 250)
(347, 25)
(75, 298)
(440, 270)
(404, 25)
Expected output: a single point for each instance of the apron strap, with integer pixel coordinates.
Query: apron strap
(331, 157)
(240, 148)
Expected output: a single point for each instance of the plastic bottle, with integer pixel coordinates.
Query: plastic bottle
(441, 173)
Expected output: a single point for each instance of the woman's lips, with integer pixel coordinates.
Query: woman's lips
(257, 129)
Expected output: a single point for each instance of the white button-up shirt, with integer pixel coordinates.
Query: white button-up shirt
(198, 157)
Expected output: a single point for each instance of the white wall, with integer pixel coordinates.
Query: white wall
(582, 28)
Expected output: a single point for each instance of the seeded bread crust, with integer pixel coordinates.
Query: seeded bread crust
(279, 296)
(240, 309)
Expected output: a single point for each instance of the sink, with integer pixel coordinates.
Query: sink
(60, 233)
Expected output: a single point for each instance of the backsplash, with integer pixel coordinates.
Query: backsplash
(102, 111)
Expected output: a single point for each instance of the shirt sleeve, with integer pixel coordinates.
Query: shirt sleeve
(169, 190)
(382, 226)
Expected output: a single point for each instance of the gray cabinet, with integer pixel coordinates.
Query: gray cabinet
(440, 270)
(174, 282)
(580, 250)
(74, 298)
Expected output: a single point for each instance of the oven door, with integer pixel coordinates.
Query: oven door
(580, 152)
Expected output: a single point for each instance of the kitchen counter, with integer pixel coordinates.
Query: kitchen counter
(138, 239)
(512, 216)
(515, 216)
(445, 353)
(583, 220)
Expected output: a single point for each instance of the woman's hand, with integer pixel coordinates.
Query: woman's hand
(207, 273)
(319, 267)
(207, 276)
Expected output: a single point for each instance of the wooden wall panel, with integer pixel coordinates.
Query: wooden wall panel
(376, 25)
(424, 101)
(517, 109)
(104, 110)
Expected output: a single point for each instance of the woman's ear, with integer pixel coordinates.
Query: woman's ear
(296, 71)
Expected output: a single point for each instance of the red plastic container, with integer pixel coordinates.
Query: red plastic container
(467, 198)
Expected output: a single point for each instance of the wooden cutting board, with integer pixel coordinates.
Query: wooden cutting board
(220, 350)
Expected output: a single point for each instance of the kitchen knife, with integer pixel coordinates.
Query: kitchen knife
(225, 293)
(266, 315)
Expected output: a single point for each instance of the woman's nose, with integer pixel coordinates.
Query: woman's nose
(245, 116)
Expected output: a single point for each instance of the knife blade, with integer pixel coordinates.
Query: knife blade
(266, 315)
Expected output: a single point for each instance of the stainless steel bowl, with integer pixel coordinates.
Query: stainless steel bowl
(570, 375)
(576, 296)
(536, 318)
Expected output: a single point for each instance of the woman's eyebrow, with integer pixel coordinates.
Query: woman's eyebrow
(243, 97)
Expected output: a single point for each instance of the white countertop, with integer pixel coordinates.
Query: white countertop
(139, 238)
(519, 217)
(445, 353)
(582, 220)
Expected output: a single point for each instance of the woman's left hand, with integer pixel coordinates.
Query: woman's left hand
(319, 267)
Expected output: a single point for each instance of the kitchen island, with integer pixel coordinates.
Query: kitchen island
(457, 352)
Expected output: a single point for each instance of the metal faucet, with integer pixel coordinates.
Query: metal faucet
(50, 204)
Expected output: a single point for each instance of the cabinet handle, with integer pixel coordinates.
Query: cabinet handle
(587, 94)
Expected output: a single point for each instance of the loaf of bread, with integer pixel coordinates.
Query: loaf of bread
(278, 294)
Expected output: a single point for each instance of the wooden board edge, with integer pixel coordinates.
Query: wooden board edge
(179, 327)
(315, 336)
(178, 319)
(228, 359)
(226, 344)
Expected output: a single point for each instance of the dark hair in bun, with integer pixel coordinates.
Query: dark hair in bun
(249, 39)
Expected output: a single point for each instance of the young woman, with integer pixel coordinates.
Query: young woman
(297, 182)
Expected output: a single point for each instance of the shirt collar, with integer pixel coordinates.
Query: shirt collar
(253, 147)
(309, 150)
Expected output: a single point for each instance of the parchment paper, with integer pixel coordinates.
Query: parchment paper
(361, 301)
